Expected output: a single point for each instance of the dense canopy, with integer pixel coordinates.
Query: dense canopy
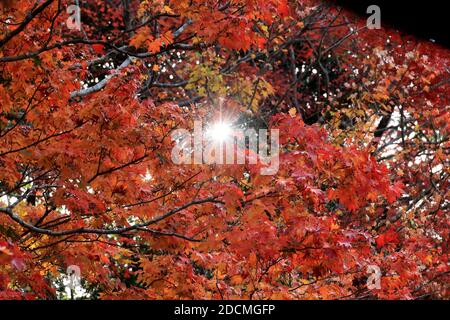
(87, 179)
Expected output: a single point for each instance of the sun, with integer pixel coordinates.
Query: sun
(220, 131)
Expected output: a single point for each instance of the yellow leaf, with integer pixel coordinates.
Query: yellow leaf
(167, 9)
(292, 112)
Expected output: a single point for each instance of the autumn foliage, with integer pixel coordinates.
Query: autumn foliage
(86, 176)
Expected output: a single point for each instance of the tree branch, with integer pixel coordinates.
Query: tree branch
(8, 211)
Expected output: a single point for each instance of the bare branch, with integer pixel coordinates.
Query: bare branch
(100, 85)
(8, 211)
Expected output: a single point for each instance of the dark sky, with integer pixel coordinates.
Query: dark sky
(428, 19)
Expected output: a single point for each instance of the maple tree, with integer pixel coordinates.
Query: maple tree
(87, 179)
